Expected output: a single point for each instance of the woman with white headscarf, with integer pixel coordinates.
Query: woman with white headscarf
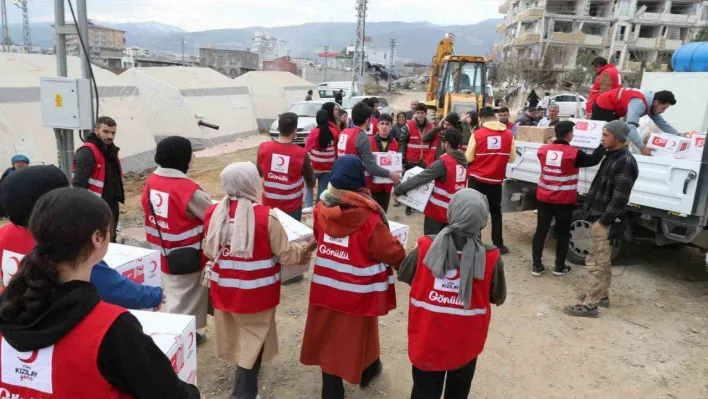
(247, 244)
(454, 277)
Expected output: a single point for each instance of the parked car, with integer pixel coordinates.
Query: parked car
(570, 104)
(384, 106)
(328, 89)
(306, 112)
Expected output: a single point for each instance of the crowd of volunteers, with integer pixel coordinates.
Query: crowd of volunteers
(63, 308)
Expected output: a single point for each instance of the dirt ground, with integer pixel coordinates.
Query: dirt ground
(652, 342)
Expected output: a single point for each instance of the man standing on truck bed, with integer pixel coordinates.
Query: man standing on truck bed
(635, 103)
(490, 148)
(557, 192)
(608, 78)
(604, 204)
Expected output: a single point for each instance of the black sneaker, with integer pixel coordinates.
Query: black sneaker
(537, 271)
(604, 302)
(503, 250)
(201, 338)
(367, 379)
(581, 310)
(561, 272)
(409, 211)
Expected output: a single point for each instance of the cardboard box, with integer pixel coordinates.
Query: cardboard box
(698, 142)
(400, 231)
(663, 144)
(297, 232)
(175, 335)
(419, 197)
(587, 133)
(533, 134)
(138, 264)
(391, 161)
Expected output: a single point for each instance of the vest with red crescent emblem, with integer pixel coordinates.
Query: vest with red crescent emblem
(15, 243)
(246, 285)
(617, 100)
(66, 370)
(492, 152)
(283, 184)
(442, 334)
(417, 150)
(346, 145)
(98, 175)
(345, 278)
(455, 181)
(373, 187)
(558, 183)
(595, 90)
(322, 159)
(169, 197)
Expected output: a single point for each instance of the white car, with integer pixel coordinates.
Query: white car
(384, 106)
(306, 112)
(570, 104)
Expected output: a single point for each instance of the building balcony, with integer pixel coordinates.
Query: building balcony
(527, 38)
(530, 14)
(578, 39)
(504, 7)
(501, 27)
(649, 17)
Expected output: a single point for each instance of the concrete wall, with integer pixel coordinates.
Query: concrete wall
(316, 75)
(232, 63)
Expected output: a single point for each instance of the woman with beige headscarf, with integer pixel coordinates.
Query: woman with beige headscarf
(247, 244)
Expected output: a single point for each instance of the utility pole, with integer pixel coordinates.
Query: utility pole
(391, 63)
(326, 59)
(359, 49)
(27, 38)
(183, 42)
(5, 28)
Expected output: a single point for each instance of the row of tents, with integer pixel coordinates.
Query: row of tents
(147, 103)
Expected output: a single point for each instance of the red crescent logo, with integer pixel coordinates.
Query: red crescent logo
(191, 340)
(32, 357)
(554, 156)
(154, 266)
(453, 274)
(593, 126)
(495, 140)
(160, 200)
(140, 267)
(282, 162)
(17, 261)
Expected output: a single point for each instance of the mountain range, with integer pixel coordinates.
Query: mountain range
(416, 40)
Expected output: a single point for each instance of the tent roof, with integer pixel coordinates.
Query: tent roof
(24, 70)
(282, 79)
(186, 77)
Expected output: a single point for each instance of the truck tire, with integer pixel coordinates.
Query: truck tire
(579, 244)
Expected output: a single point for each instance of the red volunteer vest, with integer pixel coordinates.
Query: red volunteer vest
(322, 160)
(15, 243)
(559, 176)
(345, 279)
(595, 91)
(417, 150)
(455, 180)
(493, 149)
(617, 100)
(65, 370)
(373, 126)
(442, 334)
(241, 285)
(392, 147)
(169, 197)
(98, 176)
(281, 166)
(431, 152)
(346, 145)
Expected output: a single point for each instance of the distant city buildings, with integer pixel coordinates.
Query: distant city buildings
(232, 63)
(283, 64)
(268, 47)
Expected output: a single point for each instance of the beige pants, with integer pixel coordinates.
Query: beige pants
(240, 337)
(598, 263)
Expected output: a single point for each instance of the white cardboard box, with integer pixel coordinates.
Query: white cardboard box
(669, 145)
(400, 231)
(698, 142)
(297, 232)
(587, 133)
(138, 264)
(175, 335)
(419, 197)
(391, 161)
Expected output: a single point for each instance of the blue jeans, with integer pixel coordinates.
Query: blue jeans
(322, 183)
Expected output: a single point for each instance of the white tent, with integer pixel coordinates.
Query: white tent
(21, 129)
(273, 92)
(176, 99)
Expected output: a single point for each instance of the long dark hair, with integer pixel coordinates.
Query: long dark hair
(323, 120)
(62, 223)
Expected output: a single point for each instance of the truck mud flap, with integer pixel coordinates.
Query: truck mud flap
(517, 197)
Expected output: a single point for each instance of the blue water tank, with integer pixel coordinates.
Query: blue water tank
(691, 57)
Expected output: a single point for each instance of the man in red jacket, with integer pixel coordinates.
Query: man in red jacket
(608, 78)
(382, 142)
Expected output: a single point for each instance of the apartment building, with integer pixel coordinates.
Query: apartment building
(627, 32)
(232, 63)
(101, 39)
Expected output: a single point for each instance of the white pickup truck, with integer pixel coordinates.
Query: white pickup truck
(669, 201)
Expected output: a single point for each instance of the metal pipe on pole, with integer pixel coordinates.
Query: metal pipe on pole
(64, 138)
(83, 30)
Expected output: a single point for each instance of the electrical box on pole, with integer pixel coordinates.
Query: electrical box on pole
(66, 103)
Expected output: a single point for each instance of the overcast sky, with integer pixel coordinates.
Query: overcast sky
(193, 15)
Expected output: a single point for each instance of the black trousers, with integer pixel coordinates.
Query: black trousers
(333, 387)
(246, 381)
(115, 212)
(563, 213)
(382, 198)
(493, 192)
(601, 114)
(429, 384)
(432, 226)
